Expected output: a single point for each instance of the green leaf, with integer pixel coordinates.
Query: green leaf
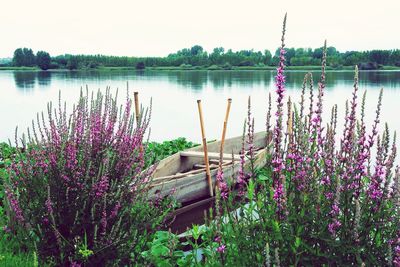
(159, 250)
(263, 177)
(164, 263)
(297, 242)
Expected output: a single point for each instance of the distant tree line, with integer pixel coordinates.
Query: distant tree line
(24, 57)
(197, 56)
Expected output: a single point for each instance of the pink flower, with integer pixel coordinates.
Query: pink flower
(222, 186)
(221, 248)
(6, 229)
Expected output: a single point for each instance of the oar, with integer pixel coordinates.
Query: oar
(203, 135)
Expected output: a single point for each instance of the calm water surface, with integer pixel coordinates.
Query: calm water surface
(174, 94)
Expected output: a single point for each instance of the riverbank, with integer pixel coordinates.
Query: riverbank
(203, 68)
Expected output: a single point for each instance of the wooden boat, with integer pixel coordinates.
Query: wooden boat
(184, 174)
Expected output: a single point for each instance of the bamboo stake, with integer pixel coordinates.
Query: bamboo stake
(136, 97)
(203, 135)
(221, 148)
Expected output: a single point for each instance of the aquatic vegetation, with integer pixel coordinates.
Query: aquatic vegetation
(79, 183)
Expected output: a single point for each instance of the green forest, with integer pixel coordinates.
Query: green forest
(198, 58)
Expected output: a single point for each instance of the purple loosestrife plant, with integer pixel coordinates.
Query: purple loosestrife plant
(277, 158)
(242, 175)
(321, 199)
(84, 175)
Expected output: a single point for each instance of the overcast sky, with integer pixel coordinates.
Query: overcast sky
(156, 28)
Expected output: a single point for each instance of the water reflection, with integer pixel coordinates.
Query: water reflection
(25, 80)
(25, 92)
(199, 80)
(44, 78)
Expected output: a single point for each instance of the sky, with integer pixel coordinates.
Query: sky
(157, 28)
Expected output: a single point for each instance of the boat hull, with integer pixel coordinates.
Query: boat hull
(192, 187)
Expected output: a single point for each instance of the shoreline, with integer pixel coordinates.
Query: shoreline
(200, 68)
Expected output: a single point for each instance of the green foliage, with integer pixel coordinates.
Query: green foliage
(214, 67)
(72, 63)
(158, 151)
(12, 251)
(163, 250)
(43, 60)
(168, 249)
(140, 65)
(24, 57)
(196, 57)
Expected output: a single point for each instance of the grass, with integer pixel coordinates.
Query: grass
(19, 68)
(11, 258)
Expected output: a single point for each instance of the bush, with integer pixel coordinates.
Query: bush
(185, 66)
(92, 65)
(140, 65)
(246, 63)
(227, 66)
(79, 192)
(72, 63)
(54, 65)
(214, 67)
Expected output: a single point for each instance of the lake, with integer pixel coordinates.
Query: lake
(174, 95)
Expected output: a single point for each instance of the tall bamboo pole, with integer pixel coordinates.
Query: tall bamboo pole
(136, 97)
(203, 135)
(221, 148)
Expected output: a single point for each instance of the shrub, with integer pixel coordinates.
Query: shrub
(185, 66)
(140, 65)
(227, 66)
(78, 193)
(246, 63)
(214, 67)
(72, 63)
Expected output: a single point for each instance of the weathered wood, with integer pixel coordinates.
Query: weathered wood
(191, 187)
(183, 174)
(176, 163)
(205, 149)
(221, 148)
(211, 155)
(195, 186)
(136, 99)
(191, 206)
(203, 166)
(178, 175)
